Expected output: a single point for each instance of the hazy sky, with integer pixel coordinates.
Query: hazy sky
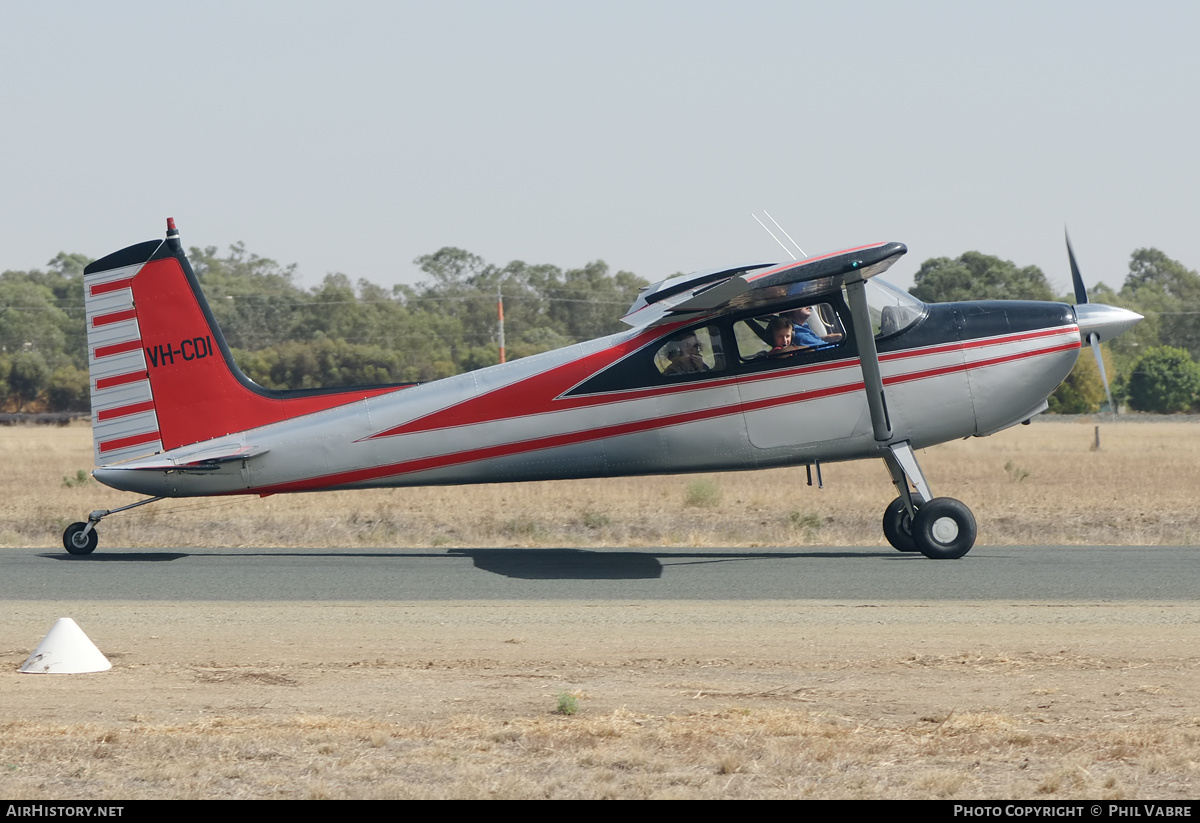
(355, 137)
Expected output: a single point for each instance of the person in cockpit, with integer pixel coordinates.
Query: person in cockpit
(685, 356)
(802, 333)
(782, 337)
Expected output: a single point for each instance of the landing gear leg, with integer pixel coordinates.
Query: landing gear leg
(941, 528)
(81, 538)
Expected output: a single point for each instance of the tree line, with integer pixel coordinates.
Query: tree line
(1153, 367)
(338, 333)
(343, 332)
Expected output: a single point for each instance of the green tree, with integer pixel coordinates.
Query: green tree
(1083, 390)
(977, 276)
(589, 302)
(323, 363)
(254, 299)
(68, 389)
(27, 378)
(543, 306)
(1167, 293)
(30, 318)
(1164, 380)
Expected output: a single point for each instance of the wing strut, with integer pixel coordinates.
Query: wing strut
(868, 357)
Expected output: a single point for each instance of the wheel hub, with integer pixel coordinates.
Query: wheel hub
(944, 530)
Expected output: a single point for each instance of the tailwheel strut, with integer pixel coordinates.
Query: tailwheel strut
(81, 538)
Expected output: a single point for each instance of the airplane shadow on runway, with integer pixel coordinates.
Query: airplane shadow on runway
(527, 564)
(579, 564)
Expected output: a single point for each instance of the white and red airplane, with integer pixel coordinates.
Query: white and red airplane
(748, 367)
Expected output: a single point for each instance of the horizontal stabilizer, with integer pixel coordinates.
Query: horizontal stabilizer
(201, 460)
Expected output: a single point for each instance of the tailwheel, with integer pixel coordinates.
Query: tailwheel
(79, 539)
(943, 529)
(897, 526)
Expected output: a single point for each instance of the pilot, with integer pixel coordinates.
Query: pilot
(685, 356)
(802, 333)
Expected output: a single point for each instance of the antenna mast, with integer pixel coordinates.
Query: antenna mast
(776, 239)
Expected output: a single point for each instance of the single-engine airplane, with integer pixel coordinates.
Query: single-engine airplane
(747, 367)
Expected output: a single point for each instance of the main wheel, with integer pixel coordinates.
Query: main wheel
(76, 542)
(897, 526)
(944, 529)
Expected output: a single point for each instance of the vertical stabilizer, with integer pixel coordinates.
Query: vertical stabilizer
(162, 374)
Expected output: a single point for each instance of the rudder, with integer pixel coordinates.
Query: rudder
(162, 375)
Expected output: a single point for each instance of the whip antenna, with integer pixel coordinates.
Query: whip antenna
(773, 237)
(785, 234)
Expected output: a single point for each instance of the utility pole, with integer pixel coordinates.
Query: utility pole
(500, 312)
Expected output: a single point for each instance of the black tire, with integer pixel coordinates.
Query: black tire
(897, 527)
(944, 529)
(76, 542)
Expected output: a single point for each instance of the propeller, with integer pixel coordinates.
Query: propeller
(1093, 337)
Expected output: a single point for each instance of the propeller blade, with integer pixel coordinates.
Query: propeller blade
(1094, 340)
(1076, 277)
(1095, 316)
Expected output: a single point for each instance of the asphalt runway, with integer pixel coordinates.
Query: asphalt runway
(1005, 573)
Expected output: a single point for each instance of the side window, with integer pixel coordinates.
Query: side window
(892, 310)
(796, 330)
(690, 352)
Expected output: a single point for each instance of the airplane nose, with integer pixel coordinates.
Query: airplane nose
(1106, 322)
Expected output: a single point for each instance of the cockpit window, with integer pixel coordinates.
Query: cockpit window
(892, 309)
(804, 328)
(697, 350)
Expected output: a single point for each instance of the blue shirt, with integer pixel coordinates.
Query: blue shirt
(803, 335)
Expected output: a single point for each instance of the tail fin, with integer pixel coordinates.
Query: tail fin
(162, 375)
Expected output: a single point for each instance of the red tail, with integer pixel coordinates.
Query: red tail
(162, 374)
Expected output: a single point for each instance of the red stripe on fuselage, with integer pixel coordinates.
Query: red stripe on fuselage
(978, 364)
(981, 342)
(544, 393)
(634, 427)
(533, 394)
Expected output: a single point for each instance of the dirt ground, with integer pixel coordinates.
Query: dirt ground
(626, 700)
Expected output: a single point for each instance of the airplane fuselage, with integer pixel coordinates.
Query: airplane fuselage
(594, 410)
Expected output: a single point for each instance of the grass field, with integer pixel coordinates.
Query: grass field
(1042, 483)
(705, 699)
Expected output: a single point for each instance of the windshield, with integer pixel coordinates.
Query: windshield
(892, 309)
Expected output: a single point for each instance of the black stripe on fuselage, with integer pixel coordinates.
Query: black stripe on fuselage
(960, 322)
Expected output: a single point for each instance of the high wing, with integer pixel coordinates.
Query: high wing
(758, 285)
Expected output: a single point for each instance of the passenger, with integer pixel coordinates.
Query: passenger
(780, 333)
(802, 333)
(685, 356)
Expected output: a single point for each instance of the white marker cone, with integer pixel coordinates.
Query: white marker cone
(66, 650)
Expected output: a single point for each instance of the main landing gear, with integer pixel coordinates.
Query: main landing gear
(81, 538)
(941, 528)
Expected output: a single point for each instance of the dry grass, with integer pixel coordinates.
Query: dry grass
(736, 753)
(707, 700)
(1032, 484)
